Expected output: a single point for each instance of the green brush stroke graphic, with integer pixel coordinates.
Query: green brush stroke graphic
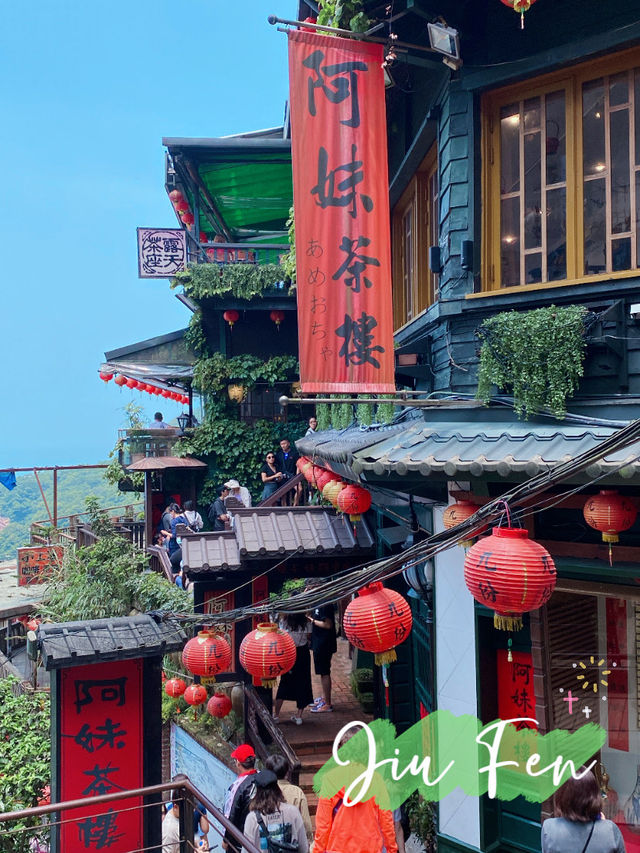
(443, 752)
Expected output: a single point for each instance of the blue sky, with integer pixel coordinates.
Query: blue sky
(89, 90)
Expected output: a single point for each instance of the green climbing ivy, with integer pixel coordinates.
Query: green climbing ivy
(212, 374)
(344, 14)
(536, 355)
(25, 756)
(244, 281)
(288, 261)
(194, 337)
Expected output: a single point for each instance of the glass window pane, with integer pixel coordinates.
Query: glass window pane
(510, 148)
(621, 254)
(620, 197)
(533, 268)
(531, 114)
(555, 138)
(510, 241)
(556, 216)
(595, 232)
(593, 127)
(532, 191)
(619, 89)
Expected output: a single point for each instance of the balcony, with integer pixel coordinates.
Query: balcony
(237, 253)
(137, 444)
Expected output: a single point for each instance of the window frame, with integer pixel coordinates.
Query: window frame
(571, 81)
(417, 201)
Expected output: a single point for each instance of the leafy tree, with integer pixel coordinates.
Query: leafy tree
(109, 579)
(25, 753)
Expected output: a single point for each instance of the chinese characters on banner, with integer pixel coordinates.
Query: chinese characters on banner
(162, 252)
(340, 191)
(37, 565)
(516, 697)
(101, 753)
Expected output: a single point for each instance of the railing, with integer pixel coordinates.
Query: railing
(256, 713)
(242, 253)
(160, 561)
(138, 444)
(67, 530)
(285, 494)
(45, 821)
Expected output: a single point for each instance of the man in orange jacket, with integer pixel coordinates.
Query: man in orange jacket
(362, 828)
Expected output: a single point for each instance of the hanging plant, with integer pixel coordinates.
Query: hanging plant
(323, 415)
(341, 414)
(194, 337)
(536, 355)
(385, 411)
(344, 14)
(288, 261)
(244, 281)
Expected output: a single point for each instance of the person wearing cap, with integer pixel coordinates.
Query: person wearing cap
(271, 817)
(239, 492)
(238, 796)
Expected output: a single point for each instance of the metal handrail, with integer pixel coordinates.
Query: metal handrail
(179, 783)
(283, 490)
(254, 709)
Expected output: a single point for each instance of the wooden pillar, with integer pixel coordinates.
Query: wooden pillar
(148, 510)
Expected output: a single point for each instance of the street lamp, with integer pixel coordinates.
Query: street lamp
(184, 421)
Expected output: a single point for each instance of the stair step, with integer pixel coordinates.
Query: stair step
(312, 747)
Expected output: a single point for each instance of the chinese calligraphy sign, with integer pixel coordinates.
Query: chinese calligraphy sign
(516, 696)
(340, 188)
(101, 753)
(162, 252)
(37, 565)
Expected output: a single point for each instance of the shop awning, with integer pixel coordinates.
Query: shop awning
(244, 182)
(161, 463)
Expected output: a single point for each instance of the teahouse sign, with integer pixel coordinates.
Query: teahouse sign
(162, 252)
(340, 191)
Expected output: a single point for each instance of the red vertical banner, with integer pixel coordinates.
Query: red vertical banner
(618, 677)
(101, 753)
(341, 203)
(516, 697)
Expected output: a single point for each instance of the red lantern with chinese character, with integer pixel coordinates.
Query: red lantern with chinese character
(332, 491)
(231, 316)
(195, 694)
(174, 687)
(519, 6)
(355, 501)
(206, 655)
(325, 477)
(267, 653)
(121, 380)
(219, 705)
(277, 317)
(377, 621)
(106, 377)
(610, 513)
(509, 573)
(456, 514)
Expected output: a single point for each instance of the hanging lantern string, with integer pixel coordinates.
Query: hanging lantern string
(346, 583)
(506, 512)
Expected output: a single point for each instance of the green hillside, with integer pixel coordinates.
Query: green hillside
(23, 505)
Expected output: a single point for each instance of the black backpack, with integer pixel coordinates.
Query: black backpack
(278, 845)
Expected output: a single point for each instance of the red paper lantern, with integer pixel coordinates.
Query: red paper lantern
(378, 620)
(202, 237)
(32, 624)
(519, 6)
(182, 206)
(355, 500)
(106, 377)
(610, 513)
(121, 380)
(509, 573)
(164, 393)
(176, 196)
(219, 705)
(131, 383)
(309, 29)
(456, 514)
(231, 316)
(174, 687)
(148, 388)
(267, 653)
(195, 694)
(325, 477)
(303, 463)
(277, 317)
(188, 218)
(206, 655)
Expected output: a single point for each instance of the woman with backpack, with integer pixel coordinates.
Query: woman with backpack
(272, 824)
(194, 519)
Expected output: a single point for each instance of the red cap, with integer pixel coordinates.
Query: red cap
(243, 752)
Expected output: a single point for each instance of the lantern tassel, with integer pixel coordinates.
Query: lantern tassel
(610, 555)
(386, 657)
(507, 623)
(509, 652)
(269, 682)
(521, 20)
